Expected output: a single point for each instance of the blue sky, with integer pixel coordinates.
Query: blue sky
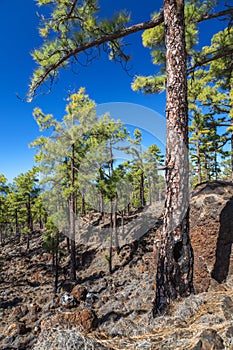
(105, 82)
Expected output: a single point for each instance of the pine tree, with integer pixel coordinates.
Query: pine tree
(3, 205)
(99, 168)
(153, 161)
(26, 191)
(76, 28)
(138, 168)
(207, 139)
(60, 156)
(221, 73)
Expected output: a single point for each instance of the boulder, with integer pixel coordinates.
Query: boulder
(67, 300)
(209, 340)
(83, 318)
(79, 293)
(211, 232)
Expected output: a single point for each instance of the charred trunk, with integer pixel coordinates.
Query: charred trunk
(174, 277)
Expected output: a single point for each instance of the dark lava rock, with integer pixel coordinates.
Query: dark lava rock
(227, 307)
(79, 293)
(209, 340)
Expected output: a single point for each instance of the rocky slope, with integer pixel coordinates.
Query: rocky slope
(114, 312)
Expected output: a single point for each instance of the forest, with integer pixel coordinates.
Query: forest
(96, 168)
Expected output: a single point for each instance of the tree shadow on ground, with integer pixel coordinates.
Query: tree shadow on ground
(224, 244)
(11, 303)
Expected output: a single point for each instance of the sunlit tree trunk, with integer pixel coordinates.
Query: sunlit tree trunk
(174, 277)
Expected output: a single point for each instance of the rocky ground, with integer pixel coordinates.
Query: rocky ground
(114, 312)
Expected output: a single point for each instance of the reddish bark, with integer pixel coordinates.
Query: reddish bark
(174, 277)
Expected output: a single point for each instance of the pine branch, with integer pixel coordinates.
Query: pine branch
(95, 43)
(72, 8)
(215, 15)
(50, 70)
(206, 60)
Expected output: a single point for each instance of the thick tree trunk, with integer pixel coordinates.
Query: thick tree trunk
(174, 277)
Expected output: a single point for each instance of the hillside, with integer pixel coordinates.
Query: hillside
(114, 312)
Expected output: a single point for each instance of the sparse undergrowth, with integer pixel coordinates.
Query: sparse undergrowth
(32, 317)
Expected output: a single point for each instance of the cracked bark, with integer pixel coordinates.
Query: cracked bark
(174, 277)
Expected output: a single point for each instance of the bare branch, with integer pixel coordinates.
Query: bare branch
(72, 8)
(210, 59)
(215, 15)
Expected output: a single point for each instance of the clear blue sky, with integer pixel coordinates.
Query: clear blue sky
(105, 81)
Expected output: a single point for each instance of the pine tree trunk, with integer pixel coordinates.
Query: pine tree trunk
(150, 190)
(115, 228)
(142, 190)
(1, 235)
(174, 277)
(17, 226)
(56, 262)
(231, 116)
(110, 242)
(68, 244)
(101, 203)
(206, 166)
(72, 220)
(29, 221)
(232, 152)
(83, 209)
(215, 156)
(199, 177)
(122, 225)
(53, 252)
